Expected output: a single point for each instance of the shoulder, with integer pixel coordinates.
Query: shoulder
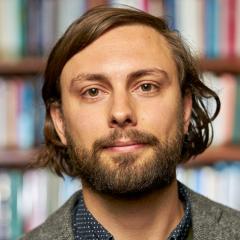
(213, 218)
(207, 206)
(58, 225)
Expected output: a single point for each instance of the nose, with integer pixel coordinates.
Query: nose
(122, 112)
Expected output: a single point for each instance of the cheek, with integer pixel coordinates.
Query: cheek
(84, 125)
(161, 118)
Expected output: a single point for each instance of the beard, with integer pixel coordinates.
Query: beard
(127, 175)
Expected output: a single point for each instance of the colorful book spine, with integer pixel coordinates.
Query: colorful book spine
(169, 7)
(26, 116)
(237, 29)
(10, 29)
(155, 7)
(67, 13)
(231, 27)
(16, 203)
(236, 128)
(211, 28)
(3, 118)
(5, 206)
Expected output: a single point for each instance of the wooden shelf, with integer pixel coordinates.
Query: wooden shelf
(22, 158)
(25, 66)
(215, 154)
(220, 65)
(16, 158)
(36, 65)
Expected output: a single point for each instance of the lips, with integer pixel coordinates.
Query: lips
(125, 146)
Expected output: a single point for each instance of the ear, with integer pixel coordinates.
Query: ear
(57, 118)
(187, 111)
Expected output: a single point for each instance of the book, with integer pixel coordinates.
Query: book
(190, 27)
(48, 25)
(67, 13)
(140, 4)
(155, 8)
(16, 203)
(34, 29)
(3, 118)
(231, 27)
(5, 205)
(237, 29)
(25, 119)
(34, 198)
(228, 101)
(236, 126)
(10, 29)
(169, 8)
(11, 113)
(211, 26)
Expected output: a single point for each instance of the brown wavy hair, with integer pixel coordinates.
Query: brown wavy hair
(86, 30)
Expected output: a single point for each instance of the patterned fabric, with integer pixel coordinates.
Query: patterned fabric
(182, 229)
(87, 227)
(210, 220)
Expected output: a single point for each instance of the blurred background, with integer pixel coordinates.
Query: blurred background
(28, 31)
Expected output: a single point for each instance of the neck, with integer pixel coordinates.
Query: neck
(153, 216)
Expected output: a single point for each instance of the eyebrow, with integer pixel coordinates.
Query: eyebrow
(130, 77)
(145, 72)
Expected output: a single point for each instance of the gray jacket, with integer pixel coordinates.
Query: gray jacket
(211, 221)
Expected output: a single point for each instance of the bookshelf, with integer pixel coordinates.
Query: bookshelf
(23, 66)
(15, 163)
(16, 158)
(36, 65)
(220, 65)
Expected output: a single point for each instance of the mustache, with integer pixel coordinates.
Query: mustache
(134, 135)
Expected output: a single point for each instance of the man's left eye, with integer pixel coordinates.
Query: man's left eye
(93, 92)
(147, 87)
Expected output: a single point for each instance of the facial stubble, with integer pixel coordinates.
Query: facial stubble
(127, 174)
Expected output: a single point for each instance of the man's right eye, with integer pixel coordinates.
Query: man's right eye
(93, 92)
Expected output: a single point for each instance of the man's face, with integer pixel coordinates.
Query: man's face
(123, 117)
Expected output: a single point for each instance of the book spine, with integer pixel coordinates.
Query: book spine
(236, 128)
(155, 8)
(231, 27)
(237, 29)
(5, 205)
(3, 118)
(170, 12)
(16, 215)
(26, 116)
(67, 13)
(10, 29)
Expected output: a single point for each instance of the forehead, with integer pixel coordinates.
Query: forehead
(124, 48)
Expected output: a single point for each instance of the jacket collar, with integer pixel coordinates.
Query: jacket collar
(207, 219)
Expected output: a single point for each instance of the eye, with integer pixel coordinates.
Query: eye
(93, 92)
(146, 87)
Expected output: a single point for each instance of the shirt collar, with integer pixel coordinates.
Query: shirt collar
(85, 226)
(182, 229)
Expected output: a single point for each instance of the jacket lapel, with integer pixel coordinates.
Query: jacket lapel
(206, 218)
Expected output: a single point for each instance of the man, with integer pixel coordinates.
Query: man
(124, 105)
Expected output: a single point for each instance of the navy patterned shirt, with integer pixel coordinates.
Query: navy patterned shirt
(86, 227)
